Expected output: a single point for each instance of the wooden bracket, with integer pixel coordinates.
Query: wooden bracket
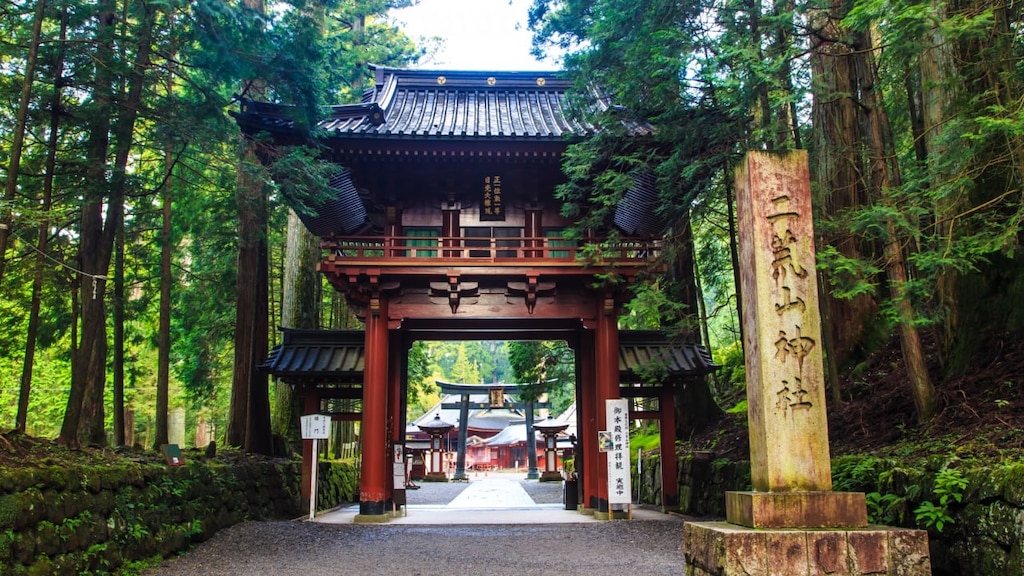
(454, 292)
(530, 290)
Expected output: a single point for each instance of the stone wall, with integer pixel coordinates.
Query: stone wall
(703, 481)
(984, 537)
(95, 519)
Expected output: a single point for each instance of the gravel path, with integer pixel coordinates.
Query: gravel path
(636, 548)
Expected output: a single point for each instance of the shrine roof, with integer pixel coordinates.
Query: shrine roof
(480, 419)
(512, 434)
(446, 105)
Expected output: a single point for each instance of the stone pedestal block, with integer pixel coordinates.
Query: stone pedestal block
(723, 549)
(796, 509)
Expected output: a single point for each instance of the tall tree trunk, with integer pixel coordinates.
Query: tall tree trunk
(937, 74)
(163, 377)
(734, 249)
(787, 123)
(884, 174)
(249, 423)
(300, 305)
(42, 243)
(163, 380)
(761, 108)
(119, 337)
(18, 138)
(249, 418)
(836, 118)
(91, 351)
(84, 415)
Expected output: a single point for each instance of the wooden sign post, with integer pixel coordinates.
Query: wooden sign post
(314, 427)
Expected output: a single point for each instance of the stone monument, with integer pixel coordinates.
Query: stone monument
(791, 523)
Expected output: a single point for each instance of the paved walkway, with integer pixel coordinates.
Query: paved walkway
(493, 498)
(497, 524)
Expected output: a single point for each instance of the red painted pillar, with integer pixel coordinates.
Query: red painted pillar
(311, 405)
(395, 406)
(587, 405)
(606, 352)
(373, 431)
(669, 463)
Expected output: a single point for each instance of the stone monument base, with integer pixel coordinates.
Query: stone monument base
(723, 549)
(796, 509)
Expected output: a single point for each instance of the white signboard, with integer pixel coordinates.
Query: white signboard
(398, 466)
(617, 422)
(315, 427)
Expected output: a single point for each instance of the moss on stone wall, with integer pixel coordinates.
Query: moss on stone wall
(983, 536)
(94, 519)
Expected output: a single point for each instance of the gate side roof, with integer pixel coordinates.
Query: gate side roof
(339, 355)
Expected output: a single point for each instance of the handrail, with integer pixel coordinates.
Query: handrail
(425, 250)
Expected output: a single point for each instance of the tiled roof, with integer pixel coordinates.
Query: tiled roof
(640, 348)
(318, 355)
(461, 104)
(338, 355)
(453, 105)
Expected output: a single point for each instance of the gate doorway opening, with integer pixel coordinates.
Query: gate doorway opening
(492, 405)
(327, 369)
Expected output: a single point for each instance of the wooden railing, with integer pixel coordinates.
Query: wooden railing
(412, 250)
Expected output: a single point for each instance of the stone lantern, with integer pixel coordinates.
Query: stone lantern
(437, 429)
(549, 429)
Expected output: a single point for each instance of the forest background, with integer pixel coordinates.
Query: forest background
(147, 258)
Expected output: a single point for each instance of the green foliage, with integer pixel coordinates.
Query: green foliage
(950, 485)
(733, 371)
(873, 476)
(651, 308)
(420, 369)
(855, 473)
(890, 490)
(464, 371)
(645, 441)
(848, 277)
(739, 408)
(643, 60)
(886, 509)
(551, 364)
(133, 567)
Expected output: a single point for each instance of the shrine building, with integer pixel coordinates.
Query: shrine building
(444, 225)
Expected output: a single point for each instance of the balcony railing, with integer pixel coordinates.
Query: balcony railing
(472, 251)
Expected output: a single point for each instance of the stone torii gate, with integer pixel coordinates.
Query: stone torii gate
(496, 392)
